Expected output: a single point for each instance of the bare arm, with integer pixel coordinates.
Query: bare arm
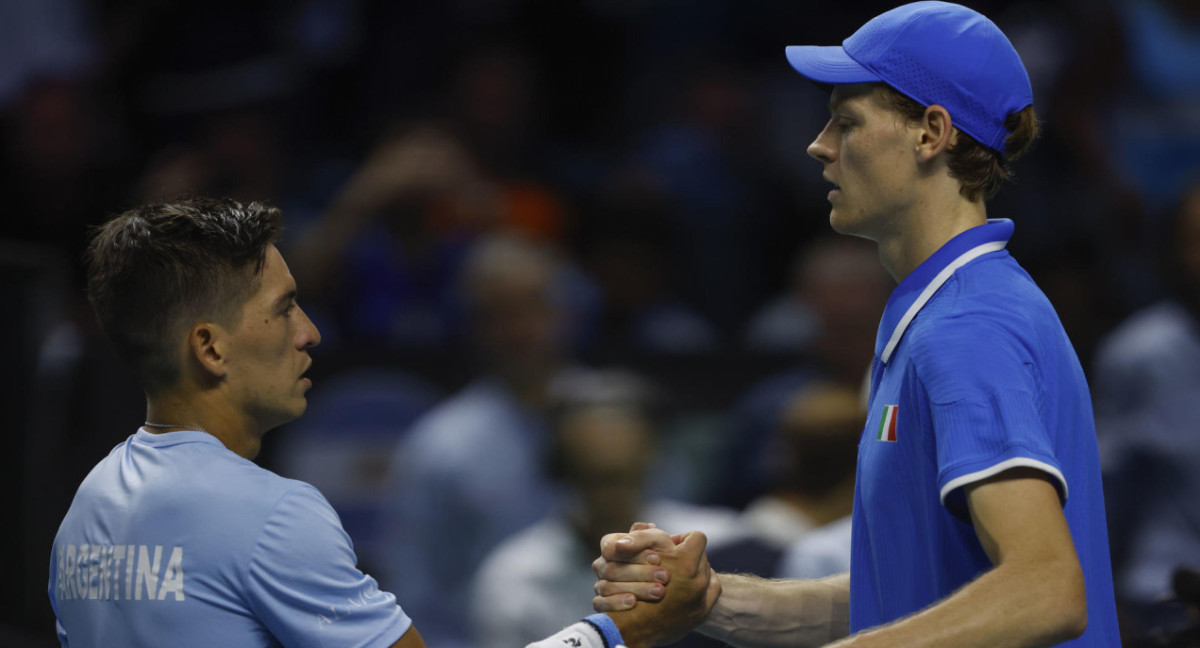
(754, 612)
(1034, 596)
(410, 639)
(748, 612)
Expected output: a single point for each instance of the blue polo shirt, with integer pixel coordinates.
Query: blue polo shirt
(175, 540)
(973, 375)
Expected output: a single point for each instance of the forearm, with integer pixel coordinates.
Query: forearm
(1012, 606)
(758, 613)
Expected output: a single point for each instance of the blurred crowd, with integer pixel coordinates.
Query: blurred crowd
(572, 268)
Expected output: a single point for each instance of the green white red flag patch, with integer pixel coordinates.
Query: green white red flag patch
(887, 424)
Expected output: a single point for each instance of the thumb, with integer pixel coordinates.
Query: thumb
(625, 547)
(691, 545)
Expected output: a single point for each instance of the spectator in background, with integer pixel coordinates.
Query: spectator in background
(801, 527)
(472, 471)
(810, 465)
(628, 250)
(835, 288)
(842, 291)
(1131, 100)
(707, 155)
(1130, 118)
(389, 249)
(809, 508)
(1147, 383)
(604, 427)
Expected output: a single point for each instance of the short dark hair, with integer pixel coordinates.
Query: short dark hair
(981, 170)
(157, 268)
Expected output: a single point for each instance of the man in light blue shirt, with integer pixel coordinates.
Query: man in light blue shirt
(177, 538)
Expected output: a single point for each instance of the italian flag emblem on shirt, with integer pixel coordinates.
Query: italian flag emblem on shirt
(887, 424)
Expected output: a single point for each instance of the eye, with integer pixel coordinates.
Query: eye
(291, 305)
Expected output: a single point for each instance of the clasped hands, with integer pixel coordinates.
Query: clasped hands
(656, 587)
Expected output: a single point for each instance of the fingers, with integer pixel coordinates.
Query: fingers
(625, 547)
(616, 603)
(642, 526)
(618, 572)
(690, 552)
(649, 592)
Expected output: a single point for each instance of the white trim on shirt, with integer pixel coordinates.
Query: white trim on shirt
(1015, 462)
(926, 294)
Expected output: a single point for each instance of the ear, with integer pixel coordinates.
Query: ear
(206, 344)
(936, 135)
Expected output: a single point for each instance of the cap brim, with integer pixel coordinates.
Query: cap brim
(828, 65)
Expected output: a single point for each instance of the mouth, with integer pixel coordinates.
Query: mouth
(836, 191)
(303, 378)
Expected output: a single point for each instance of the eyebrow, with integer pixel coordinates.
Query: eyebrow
(289, 296)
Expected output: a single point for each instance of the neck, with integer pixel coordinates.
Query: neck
(927, 226)
(204, 411)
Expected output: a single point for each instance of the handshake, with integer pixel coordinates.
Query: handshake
(656, 587)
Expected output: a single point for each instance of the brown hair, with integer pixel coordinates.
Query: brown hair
(980, 169)
(157, 268)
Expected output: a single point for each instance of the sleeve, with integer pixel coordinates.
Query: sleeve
(985, 398)
(303, 583)
(52, 591)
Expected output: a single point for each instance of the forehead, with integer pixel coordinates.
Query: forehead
(854, 96)
(275, 279)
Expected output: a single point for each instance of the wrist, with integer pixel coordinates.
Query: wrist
(608, 629)
(628, 630)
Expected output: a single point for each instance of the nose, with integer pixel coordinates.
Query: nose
(820, 149)
(309, 336)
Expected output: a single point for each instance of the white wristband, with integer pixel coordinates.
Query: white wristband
(585, 634)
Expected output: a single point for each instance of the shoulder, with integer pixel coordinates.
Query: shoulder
(301, 508)
(990, 315)
(986, 301)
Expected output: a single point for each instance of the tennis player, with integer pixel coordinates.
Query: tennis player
(978, 513)
(177, 538)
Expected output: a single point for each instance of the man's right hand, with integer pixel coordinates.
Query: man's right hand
(670, 574)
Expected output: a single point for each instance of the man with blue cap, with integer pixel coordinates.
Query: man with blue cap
(978, 515)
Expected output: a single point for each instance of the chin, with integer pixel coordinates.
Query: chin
(847, 226)
(840, 224)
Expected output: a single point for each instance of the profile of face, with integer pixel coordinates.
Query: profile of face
(868, 153)
(266, 353)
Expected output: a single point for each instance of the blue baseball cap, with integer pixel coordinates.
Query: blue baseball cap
(934, 53)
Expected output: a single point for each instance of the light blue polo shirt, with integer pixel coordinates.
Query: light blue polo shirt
(175, 540)
(973, 375)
